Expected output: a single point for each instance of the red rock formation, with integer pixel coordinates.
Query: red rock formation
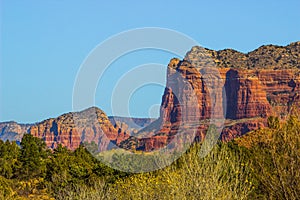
(245, 96)
(282, 88)
(189, 96)
(72, 129)
(240, 128)
(194, 92)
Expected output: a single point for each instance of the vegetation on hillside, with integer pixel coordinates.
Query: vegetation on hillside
(263, 164)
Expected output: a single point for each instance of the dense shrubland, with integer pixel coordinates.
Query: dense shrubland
(263, 164)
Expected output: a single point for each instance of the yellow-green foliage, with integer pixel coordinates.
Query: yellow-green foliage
(277, 160)
(22, 190)
(223, 174)
(96, 191)
(6, 189)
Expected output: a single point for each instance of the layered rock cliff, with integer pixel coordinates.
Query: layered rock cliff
(242, 88)
(75, 128)
(72, 129)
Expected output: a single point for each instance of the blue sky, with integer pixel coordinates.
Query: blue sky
(43, 44)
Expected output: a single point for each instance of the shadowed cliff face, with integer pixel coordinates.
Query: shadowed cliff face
(245, 96)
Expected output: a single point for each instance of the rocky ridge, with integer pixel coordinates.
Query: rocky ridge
(13, 131)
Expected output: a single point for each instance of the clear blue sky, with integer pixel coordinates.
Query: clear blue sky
(43, 43)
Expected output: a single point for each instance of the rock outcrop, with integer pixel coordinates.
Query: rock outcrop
(242, 88)
(13, 131)
(245, 96)
(72, 129)
(130, 124)
(75, 128)
(265, 57)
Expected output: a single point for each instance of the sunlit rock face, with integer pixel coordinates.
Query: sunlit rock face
(243, 88)
(72, 129)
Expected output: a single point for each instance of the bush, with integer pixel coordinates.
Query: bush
(223, 174)
(277, 161)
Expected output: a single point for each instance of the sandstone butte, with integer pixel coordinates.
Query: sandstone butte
(243, 89)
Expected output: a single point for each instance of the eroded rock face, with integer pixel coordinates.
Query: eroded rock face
(72, 129)
(130, 125)
(240, 128)
(245, 96)
(243, 88)
(190, 96)
(282, 88)
(13, 131)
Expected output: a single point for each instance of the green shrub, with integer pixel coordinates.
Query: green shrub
(277, 161)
